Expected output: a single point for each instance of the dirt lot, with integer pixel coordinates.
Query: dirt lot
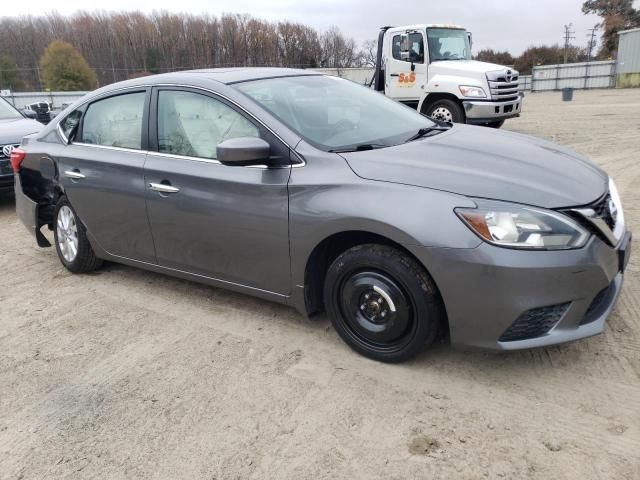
(130, 374)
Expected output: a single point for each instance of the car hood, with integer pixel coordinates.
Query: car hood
(12, 130)
(486, 163)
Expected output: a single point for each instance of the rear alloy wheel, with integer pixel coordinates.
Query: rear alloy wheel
(73, 247)
(382, 303)
(446, 111)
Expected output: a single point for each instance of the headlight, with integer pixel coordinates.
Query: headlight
(515, 226)
(473, 92)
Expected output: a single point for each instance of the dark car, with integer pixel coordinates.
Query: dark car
(13, 126)
(319, 193)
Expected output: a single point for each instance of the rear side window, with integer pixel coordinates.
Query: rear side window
(193, 125)
(69, 124)
(115, 121)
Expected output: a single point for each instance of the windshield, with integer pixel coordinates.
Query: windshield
(7, 112)
(448, 44)
(335, 114)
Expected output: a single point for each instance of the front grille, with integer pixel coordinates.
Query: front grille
(534, 323)
(2, 155)
(503, 84)
(599, 304)
(603, 211)
(5, 167)
(600, 217)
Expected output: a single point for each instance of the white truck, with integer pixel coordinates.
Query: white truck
(429, 67)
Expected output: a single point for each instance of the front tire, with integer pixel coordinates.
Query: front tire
(382, 303)
(447, 111)
(73, 247)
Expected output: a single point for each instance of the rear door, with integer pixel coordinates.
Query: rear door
(226, 222)
(101, 170)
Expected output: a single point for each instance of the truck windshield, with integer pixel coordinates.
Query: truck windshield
(448, 44)
(335, 114)
(7, 112)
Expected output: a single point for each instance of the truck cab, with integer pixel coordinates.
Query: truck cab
(429, 67)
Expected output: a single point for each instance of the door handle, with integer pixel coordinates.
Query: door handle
(74, 174)
(163, 188)
(394, 74)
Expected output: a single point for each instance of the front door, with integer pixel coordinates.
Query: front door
(226, 222)
(101, 170)
(406, 77)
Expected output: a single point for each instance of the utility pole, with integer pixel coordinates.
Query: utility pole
(568, 36)
(592, 40)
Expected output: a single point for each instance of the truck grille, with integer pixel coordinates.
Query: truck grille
(503, 84)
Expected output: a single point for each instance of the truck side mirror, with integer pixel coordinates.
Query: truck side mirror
(470, 37)
(404, 47)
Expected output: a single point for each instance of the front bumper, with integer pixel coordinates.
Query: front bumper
(487, 289)
(6, 176)
(479, 112)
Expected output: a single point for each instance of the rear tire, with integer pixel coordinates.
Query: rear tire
(72, 245)
(382, 303)
(447, 111)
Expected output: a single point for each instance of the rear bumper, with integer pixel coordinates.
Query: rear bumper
(478, 112)
(487, 289)
(27, 211)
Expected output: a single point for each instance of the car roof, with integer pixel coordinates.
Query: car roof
(245, 74)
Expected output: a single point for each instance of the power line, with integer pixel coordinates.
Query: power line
(593, 41)
(568, 36)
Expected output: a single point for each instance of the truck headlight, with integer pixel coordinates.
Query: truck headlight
(473, 92)
(515, 226)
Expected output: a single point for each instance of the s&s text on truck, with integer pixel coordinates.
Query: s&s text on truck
(429, 67)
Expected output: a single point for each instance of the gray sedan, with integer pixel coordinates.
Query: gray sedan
(313, 191)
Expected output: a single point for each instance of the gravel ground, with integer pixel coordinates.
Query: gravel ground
(131, 374)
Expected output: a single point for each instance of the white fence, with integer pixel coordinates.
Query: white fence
(56, 99)
(574, 75)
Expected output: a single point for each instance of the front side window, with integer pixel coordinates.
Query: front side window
(416, 47)
(448, 44)
(193, 125)
(333, 113)
(115, 121)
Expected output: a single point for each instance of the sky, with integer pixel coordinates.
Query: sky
(511, 25)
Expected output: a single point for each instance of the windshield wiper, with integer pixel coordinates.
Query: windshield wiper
(359, 148)
(426, 131)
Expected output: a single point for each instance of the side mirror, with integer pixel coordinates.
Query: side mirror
(470, 37)
(404, 47)
(243, 151)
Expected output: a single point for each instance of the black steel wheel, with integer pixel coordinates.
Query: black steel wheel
(382, 303)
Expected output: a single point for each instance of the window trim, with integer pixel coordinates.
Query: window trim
(297, 160)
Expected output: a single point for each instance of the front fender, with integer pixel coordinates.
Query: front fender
(326, 197)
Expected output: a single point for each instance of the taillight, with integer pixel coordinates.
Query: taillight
(17, 156)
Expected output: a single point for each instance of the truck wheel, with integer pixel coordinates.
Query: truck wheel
(73, 247)
(446, 110)
(497, 124)
(382, 303)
